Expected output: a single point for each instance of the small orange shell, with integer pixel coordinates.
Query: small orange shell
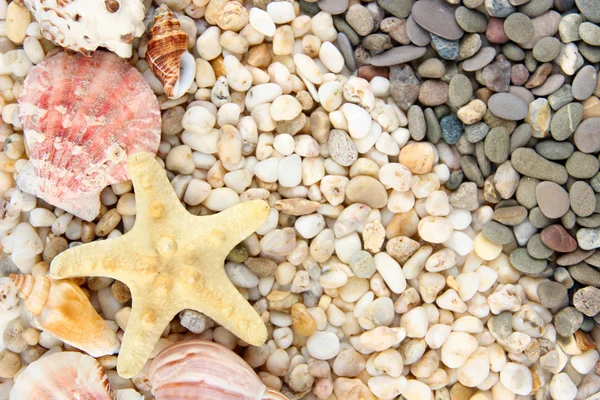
(165, 52)
(198, 369)
(61, 307)
(65, 375)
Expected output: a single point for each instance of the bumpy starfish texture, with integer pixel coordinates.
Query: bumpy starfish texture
(171, 260)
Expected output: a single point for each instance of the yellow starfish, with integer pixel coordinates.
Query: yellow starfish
(171, 261)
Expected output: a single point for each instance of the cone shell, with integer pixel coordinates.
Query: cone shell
(197, 369)
(82, 117)
(63, 376)
(61, 307)
(168, 42)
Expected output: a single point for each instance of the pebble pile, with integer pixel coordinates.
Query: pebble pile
(433, 175)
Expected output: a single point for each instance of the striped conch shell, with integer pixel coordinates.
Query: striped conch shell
(61, 307)
(198, 369)
(62, 376)
(167, 54)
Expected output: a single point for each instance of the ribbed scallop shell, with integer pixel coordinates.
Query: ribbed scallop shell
(63, 376)
(61, 307)
(198, 369)
(82, 116)
(167, 54)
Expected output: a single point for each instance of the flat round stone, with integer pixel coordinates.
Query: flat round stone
(552, 199)
(587, 300)
(583, 199)
(507, 106)
(558, 239)
(584, 82)
(522, 261)
(479, 60)
(518, 28)
(552, 294)
(587, 136)
(590, 9)
(398, 55)
(585, 274)
(437, 16)
(415, 33)
(333, 7)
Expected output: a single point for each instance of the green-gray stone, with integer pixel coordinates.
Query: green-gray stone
(567, 321)
(591, 53)
(342, 26)
(534, 8)
(520, 137)
(537, 249)
(497, 145)
(497, 233)
(518, 27)
(500, 326)
(460, 90)
(554, 151)
(546, 49)
(568, 220)
(590, 33)
(465, 147)
(522, 261)
(398, 8)
(416, 123)
(585, 274)
(526, 192)
(434, 131)
(455, 180)
(582, 166)
(513, 52)
(561, 97)
(538, 219)
(590, 9)
(527, 162)
(470, 20)
(568, 28)
(471, 170)
(565, 121)
(593, 221)
(485, 165)
(311, 9)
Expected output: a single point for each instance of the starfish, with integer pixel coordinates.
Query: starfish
(171, 260)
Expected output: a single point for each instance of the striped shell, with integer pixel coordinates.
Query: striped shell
(63, 376)
(61, 307)
(198, 369)
(82, 116)
(167, 54)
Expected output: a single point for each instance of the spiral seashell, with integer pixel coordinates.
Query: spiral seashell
(167, 54)
(60, 376)
(61, 307)
(198, 369)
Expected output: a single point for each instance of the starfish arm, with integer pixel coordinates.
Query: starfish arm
(150, 314)
(240, 221)
(154, 195)
(102, 258)
(222, 302)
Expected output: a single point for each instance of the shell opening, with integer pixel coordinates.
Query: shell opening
(187, 74)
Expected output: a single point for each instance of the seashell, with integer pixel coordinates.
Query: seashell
(85, 25)
(82, 117)
(61, 307)
(198, 369)
(60, 376)
(167, 54)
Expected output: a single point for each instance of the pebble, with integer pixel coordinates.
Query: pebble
(391, 272)
(360, 19)
(537, 249)
(507, 106)
(470, 20)
(583, 199)
(558, 239)
(417, 157)
(527, 162)
(480, 60)
(433, 17)
(587, 136)
(366, 190)
(518, 27)
(323, 345)
(397, 55)
(552, 199)
(583, 273)
(499, 8)
(562, 387)
(341, 148)
(516, 378)
(433, 93)
(523, 262)
(497, 233)
(460, 90)
(446, 49)
(451, 128)
(567, 321)
(546, 49)
(333, 7)
(589, 9)
(457, 349)
(497, 145)
(584, 82)
(566, 120)
(552, 294)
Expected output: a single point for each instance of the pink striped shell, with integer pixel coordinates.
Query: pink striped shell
(198, 369)
(82, 116)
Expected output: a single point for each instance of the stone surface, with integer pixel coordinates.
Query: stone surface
(522, 261)
(587, 300)
(397, 55)
(566, 120)
(518, 27)
(583, 199)
(528, 162)
(437, 17)
(552, 199)
(552, 294)
(585, 274)
(558, 239)
(507, 106)
(567, 321)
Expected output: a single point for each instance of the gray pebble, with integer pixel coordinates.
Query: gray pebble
(471, 170)
(574, 257)
(544, 25)
(479, 60)
(583, 199)
(497, 145)
(455, 180)
(588, 238)
(584, 82)
(513, 52)
(416, 122)
(499, 8)
(538, 219)
(593, 221)
(546, 49)
(520, 137)
(433, 16)
(582, 166)
(551, 85)
(523, 262)
(594, 258)
(460, 90)
(398, 8)
(537, 249)
(528, 162)
(567, 321)
(569, 220)
(497, 233)
(552, 198)
(568, 28)
(534, 8)
(561, 97)
(561, 275)
(333, 7)
(434, 131)
(342, 27)
(496, 77)
(590, 9)
(404, 86)
(360, 19)
(309, 8)
(485, 165)
(518, 27)
(465, 197)
(595, 183)
(470, 20)
(464, 147)
(565, 121)
(476, 132)
(500, 326)
(415, 33)
(590, 33)
(554, 151)
(377, 42)
(345, 47)
(446, 49)
(587, 136)
(591, 53)
(507, 106)
(552, 294)
(526, 192)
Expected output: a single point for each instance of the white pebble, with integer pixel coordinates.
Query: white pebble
(261, 21)
(391, 272)
(323, 345)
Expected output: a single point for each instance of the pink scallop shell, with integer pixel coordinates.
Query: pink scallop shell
(82, 116)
